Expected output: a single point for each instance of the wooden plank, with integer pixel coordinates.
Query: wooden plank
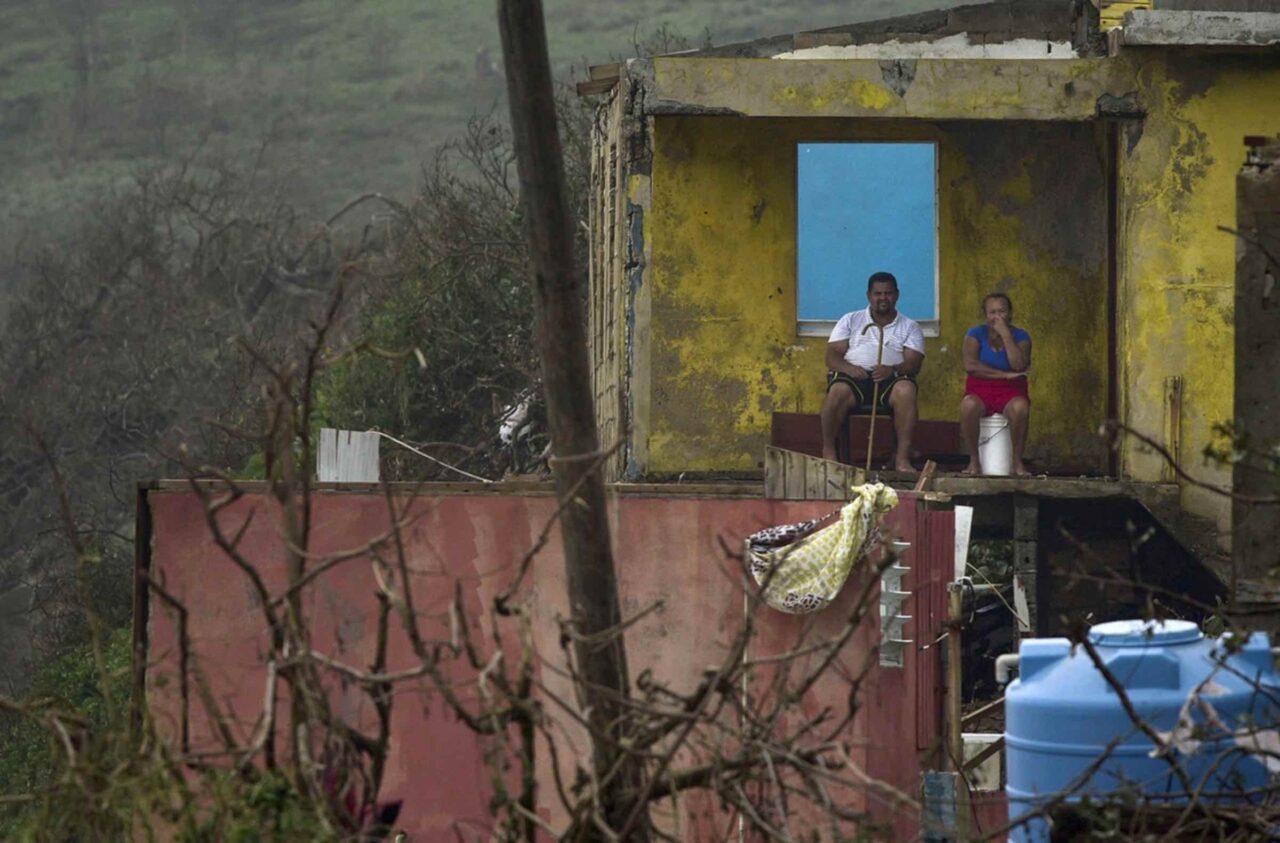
(596, 86)
(775, 473)
(791, 475)
(991, 749)
(610, 71)
(1026, 558)
(794, 483)
(839, 481)
(815, 479)
(925, 481)
(1049, 487)
(954, 701)
(986, 709)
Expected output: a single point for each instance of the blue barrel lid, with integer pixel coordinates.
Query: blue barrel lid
(1144, 633)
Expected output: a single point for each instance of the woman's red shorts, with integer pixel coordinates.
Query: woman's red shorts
(996, 394)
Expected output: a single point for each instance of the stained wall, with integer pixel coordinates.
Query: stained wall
(1022, 211)
(1176, 295)
(676, 580)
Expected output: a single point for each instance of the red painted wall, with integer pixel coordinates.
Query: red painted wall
(669, 549)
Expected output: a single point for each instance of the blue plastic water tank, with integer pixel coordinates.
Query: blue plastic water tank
(1061, 716)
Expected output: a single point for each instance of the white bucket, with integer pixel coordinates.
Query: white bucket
(995, 445)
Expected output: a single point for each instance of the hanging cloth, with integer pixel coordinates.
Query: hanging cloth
(803, 566)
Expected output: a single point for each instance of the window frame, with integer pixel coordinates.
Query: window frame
(822, 327)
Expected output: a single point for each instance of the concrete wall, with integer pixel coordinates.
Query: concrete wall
(1177, 186)
(669, 551)
(712, 265)
(1022, 210)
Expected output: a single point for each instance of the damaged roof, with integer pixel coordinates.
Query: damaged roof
(998, 22)
(1022, 28)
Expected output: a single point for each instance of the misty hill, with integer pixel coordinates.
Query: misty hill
(334, 96)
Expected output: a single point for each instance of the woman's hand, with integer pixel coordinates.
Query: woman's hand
(1014, 375)
(1000, 324)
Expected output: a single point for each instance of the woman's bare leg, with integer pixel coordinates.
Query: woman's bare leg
(1018, 411)
(971, 411)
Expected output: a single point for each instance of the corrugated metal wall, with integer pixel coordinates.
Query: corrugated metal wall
(669, 549)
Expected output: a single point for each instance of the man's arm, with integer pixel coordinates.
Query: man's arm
(912, 356)
(836, 362)
(912, 361)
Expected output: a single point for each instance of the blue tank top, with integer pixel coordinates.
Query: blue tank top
(991, 357)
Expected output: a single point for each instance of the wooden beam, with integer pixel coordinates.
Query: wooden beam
(610, 71)
(954, 700)
(1255, 530)
(596, 86)
(1026, 559)
(990, 750)
(925, 481)
(986, 709)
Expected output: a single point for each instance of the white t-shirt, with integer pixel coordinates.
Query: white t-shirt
(902, 332)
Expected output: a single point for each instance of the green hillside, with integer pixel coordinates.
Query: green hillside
(337, 96)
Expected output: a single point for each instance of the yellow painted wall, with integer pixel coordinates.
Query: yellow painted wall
(1111, 12)
(1178, 270)
(1022, 209)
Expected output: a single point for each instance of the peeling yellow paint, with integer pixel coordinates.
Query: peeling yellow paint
(1112, 12)
(722, 352)
(871, 95)
(1178, 270)
(723, 339)
(1019, 188)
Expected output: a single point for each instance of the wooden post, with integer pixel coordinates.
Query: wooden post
(955, 708)
(1172, 426)
(558, 283)
(1026, 556)
(1255, 530)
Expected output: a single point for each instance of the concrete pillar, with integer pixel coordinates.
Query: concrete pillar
(1256, 528)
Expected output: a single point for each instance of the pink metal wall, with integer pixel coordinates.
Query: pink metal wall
(669, 549)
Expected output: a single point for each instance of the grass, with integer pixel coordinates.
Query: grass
(353, 95)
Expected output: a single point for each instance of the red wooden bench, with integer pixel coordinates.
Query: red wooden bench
(934, 440)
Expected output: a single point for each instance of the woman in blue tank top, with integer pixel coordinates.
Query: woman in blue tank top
(997, 359)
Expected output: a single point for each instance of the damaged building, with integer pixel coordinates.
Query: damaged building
(1089, 160)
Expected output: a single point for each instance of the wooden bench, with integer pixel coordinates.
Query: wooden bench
(934, 440)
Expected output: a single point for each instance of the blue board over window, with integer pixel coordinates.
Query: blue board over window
(862, 208)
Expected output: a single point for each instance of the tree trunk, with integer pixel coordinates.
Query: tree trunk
(558, 283)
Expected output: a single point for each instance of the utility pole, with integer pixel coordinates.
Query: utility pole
(558, 283)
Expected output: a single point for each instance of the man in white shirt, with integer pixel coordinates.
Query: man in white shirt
(853, 375)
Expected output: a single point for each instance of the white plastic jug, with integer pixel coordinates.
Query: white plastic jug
(995, 445)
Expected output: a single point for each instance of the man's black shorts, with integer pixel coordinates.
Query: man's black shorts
(863, 390)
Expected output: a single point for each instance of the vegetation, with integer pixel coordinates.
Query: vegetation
(350, 97)
(173, 172)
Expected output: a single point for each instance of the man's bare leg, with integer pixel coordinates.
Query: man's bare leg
(903, 401)
(1018, 411)
(971, 412)
(835, 407)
